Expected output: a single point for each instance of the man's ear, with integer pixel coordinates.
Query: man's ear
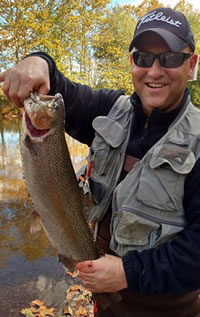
(131, 59)
(193, 67)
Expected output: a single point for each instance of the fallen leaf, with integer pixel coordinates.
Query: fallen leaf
(79, 299)
(73, 274)
(82, 311)
(75, 288)
(47, 312)
(37, 302)
(27, 312)
(38, 309)
(68, 311)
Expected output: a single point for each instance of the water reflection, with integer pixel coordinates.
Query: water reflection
(23, 257)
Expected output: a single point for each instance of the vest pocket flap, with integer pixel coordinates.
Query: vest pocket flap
(134, 230)
(180, 159)
(111, 131)
(178, 137)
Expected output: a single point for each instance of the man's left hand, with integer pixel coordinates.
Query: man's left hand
(103, 275)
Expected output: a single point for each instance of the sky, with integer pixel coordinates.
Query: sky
(195, 3)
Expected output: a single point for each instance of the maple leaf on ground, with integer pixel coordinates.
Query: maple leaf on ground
(68, 311)
(79, 302)
(73, 274)
(38, 309)
(27, 312)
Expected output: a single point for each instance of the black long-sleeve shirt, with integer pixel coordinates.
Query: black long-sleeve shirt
(174, 266)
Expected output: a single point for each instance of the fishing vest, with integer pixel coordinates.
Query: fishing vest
(147, 206)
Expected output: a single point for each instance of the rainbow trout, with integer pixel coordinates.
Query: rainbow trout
(51, 182)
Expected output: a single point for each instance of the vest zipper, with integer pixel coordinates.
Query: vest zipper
(146, 125)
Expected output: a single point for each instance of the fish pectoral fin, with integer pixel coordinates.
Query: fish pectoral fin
(35, 223)
(68, 263)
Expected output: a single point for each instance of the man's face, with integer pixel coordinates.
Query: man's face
(157, 86)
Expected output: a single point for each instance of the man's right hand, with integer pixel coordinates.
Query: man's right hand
(32, 73)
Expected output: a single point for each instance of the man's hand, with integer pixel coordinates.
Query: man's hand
(32, 73)
(103, 275)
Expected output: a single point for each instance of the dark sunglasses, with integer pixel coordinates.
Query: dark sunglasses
(169, 59)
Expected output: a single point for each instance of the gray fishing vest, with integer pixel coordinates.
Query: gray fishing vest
(147, 206)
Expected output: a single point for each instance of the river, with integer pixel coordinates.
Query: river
(29, 268)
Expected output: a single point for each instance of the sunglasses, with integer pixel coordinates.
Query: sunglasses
(168, 60)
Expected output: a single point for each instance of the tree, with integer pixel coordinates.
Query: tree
(88, 41)
(146, 6)
(111, 46)
(193, 17)
(62, 28)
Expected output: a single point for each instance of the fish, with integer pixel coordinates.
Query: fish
(52, 184)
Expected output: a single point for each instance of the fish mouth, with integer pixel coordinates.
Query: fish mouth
(34, 132)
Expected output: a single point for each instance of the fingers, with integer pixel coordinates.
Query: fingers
(30, 74)
(86, 267)
(11, 87)
(44, 88)
(12, 90)
(103, 275)
(89, 280)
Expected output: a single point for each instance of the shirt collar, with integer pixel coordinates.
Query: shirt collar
(164, 118)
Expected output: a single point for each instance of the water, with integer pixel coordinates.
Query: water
(29, 268)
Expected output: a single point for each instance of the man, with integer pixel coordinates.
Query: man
(145, 158)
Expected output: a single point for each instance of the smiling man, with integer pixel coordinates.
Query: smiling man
(158, 83)
(143, 168)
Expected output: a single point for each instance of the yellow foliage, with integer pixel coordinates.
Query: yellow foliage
(88, 40)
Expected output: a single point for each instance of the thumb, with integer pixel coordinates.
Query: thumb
(2, 76)
(44, 88)
(86, 266)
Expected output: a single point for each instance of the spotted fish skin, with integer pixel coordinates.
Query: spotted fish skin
(52, 185)
(51, 180)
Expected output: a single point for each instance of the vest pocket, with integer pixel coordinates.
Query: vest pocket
(109, 137)
(134, 230)
(101, 151)
(162, 177)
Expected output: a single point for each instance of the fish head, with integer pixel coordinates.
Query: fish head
(43, 114)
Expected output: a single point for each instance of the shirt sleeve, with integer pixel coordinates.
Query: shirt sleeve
(174, 266)
(82, 103)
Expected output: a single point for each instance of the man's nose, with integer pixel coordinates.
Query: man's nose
(156, 70)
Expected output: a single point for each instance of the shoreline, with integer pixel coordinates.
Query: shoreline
(10, 116)
(9, 110)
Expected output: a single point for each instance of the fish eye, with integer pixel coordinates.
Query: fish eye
(54, 106)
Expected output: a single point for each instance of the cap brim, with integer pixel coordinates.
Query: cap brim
(174, 43)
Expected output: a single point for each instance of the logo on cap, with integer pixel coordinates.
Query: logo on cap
(158, 17)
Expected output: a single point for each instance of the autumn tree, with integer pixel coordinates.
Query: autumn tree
(62, 28)
(144, 7)
(88, 17)
(13, 33)
(88, 40)
(111, 46)
(194, 19)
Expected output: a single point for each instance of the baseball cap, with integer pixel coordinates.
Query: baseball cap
(172, 26)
